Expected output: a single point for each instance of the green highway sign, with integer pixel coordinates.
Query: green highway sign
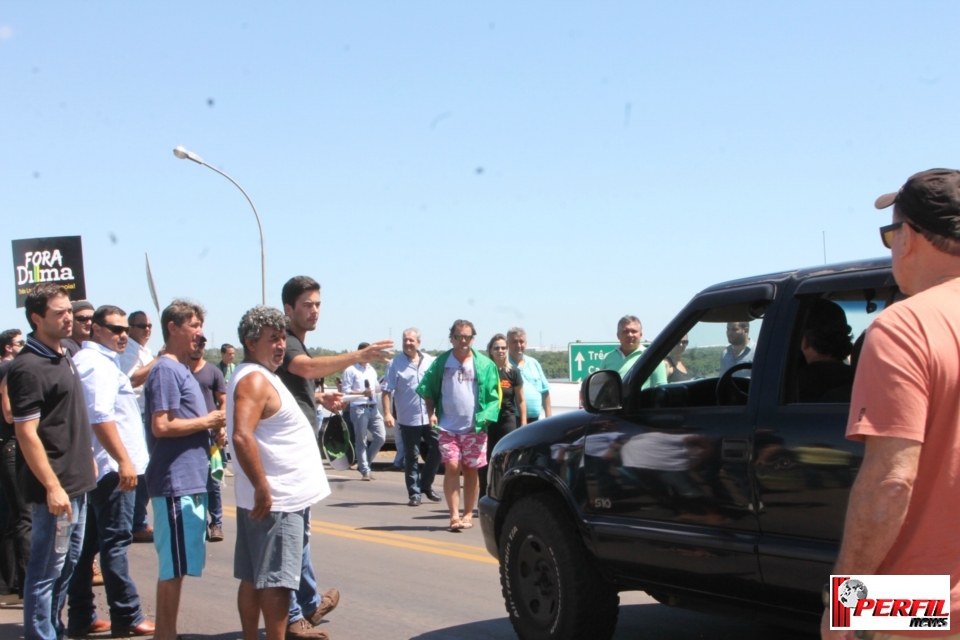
(585, 357)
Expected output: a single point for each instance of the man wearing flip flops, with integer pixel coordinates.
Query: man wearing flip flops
(462, 392)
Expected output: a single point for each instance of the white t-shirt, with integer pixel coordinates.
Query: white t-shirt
(458, 393)
(289, 453)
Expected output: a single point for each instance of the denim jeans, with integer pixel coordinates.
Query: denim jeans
(419, 478)
(214, 502)
(366, 419)
(140, 521)
(109, 532)
(49, 572)
(306, 598)
(15, 541)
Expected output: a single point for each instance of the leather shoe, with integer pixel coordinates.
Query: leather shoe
(145, 535)
(98, 626)
(414, 501)
(329, 600)
(432, 495)
(215, 533)
(145, 628)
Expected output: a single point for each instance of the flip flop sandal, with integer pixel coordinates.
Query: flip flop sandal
(466, 523)
(456, 525)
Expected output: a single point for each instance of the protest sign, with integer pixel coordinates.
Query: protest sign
(57, 260)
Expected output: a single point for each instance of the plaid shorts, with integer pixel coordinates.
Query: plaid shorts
(470, 448)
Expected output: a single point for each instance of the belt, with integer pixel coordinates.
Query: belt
(365, 404)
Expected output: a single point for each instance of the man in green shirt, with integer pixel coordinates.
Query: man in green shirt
(622, 359)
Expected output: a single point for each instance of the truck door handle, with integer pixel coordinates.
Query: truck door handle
(734, 449)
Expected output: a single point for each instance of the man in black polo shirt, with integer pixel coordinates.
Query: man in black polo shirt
(53, 433)
(301, 303)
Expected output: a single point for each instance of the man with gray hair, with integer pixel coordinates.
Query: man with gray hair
(536, 389)
(279, 475)
(403, 376)
(622, 359)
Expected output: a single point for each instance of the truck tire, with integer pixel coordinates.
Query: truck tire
(551, 587)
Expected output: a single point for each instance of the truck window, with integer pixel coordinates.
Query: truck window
(825, 342)
(711, 363)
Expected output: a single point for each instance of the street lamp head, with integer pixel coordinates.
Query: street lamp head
(184, 154)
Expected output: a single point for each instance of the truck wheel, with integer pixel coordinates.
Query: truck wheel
(550, 584)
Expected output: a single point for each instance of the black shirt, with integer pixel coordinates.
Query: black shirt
(825, 381)
(44, 384)
(301, 388)
(510, 383)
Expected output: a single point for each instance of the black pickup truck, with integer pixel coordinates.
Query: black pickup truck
(723, 490)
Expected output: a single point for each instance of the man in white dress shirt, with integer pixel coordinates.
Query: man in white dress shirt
(136, 361)
(279, 475)
(361, 379)
(120, 450)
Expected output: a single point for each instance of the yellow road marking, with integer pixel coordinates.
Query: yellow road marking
(450, 549)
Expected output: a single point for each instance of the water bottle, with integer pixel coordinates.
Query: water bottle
(63, 533)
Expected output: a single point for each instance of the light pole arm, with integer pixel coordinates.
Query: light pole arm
(263, 250)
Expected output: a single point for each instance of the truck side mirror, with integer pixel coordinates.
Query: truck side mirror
(602, 392)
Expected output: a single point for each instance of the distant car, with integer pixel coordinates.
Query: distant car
(715, 492)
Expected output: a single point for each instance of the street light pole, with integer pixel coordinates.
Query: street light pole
(184, 154)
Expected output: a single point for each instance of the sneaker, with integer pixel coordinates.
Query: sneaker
(366, 476)
(328, 602)
(414, 501)
(432, 495)
(215, 533)
(302, 630)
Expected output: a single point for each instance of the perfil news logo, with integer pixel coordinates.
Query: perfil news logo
(889, 603)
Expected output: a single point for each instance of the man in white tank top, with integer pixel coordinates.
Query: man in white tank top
(279, 475)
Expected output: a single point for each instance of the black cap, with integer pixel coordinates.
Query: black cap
(931, 200)
(81, 305)
(363, 345)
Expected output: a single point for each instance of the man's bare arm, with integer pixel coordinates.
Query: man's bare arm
(547, 407)
(109, 438)
(322, 366)
(431, 411)
(250, 403)
(36, 457)
(388, 419)
(220, 399)
(5, 401)
(164, 425)
(139, 376)
(878, 503)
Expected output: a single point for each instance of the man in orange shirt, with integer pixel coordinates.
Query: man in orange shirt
(906, 404)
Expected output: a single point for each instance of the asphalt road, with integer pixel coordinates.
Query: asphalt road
(400, 573)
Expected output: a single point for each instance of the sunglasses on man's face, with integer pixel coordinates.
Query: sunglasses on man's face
(887, 231)
(19, 343)
(115, 329)
(463, 338)
(143, 326)
(83, 319)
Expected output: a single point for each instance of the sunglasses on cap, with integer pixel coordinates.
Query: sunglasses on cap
(887, 231)
(115, 329)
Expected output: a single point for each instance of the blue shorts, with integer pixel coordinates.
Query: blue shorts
(180, 535)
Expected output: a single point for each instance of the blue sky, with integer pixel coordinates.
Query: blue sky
(552, 165)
